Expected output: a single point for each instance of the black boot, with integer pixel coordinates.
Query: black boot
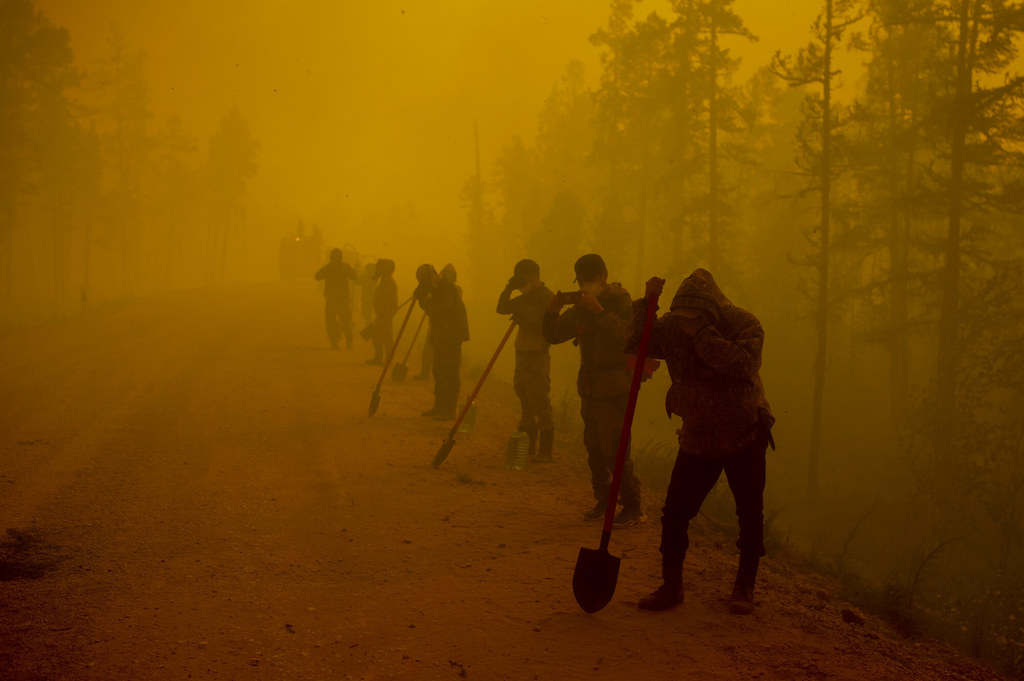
(631, 514)
(597, 513)
(669, 594)
(547, 444)
(741, 602)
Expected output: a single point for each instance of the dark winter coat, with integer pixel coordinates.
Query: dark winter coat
(443, 305)
(600, 337)
(527, 312)
(335, 276)
(716, 384)
(385, 298)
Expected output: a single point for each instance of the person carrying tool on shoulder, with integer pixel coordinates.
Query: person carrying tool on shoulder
(532, 377)
(442, 301)
(598, 323)
(713, 352)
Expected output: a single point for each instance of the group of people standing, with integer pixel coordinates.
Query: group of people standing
(437, 294)
(711, 347)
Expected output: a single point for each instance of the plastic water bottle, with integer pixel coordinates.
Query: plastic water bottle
(517, 451)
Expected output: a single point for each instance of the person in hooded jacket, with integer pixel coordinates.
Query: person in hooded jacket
(385, 305)
(337, 302)
(441, 299)
(598, 323)
(713, 352)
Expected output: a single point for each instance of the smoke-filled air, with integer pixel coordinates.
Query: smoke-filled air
(518, 339)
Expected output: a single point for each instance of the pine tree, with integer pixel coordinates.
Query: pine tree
(231, 163)
(817, 137)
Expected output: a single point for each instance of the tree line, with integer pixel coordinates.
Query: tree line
(871, 218)
(123, 204)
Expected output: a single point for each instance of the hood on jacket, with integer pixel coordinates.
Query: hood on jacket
(384, 267)
(700, 291)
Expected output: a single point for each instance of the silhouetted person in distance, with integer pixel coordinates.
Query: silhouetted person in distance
(713, 352)
(385, 305)
(598, 323)
(337, 302)
(532, 377)
(367, 285)
(442, 301)
(427, 355)
(448, 272)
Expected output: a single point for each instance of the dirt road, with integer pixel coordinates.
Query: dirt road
(191, 488)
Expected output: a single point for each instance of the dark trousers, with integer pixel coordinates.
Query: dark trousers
(427, 356)
(382, 339)
(532, 383)
(602, 428)
(447, 362)
(692, 480)
(338, 320)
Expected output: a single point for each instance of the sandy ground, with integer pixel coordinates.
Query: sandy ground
(190, 488)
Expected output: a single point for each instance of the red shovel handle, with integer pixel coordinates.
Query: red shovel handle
(627, 422)
(394, 348)
(480, 382)
(414, 337)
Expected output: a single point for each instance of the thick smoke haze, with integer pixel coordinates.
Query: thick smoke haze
(358, 107)
(363, 107)
(850, 172)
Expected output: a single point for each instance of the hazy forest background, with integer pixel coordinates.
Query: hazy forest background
(861, 192)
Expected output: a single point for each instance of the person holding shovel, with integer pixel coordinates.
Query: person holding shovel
(713, 352)
(532, 377)
(598, 323)
(449, 328)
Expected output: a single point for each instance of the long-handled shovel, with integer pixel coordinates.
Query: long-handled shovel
(449, 442)
(593, 582)
(401, 370)
(375, 399)
(367, 332)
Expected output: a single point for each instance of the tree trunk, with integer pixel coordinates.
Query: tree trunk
(58, 265)
(899, 233)
(821, 317)
(949, 319)
(641, 229)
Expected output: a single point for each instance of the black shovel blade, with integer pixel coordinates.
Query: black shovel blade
(442, 453)
(374, 402)
(399, 372)
(593, 582)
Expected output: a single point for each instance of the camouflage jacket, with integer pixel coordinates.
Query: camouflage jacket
(716, 384)
(600, 337)
(527, 312)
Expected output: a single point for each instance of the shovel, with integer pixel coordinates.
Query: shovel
(593, 582)
(375, 399)
(446, 446)
(401, 370)
(367, 332)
